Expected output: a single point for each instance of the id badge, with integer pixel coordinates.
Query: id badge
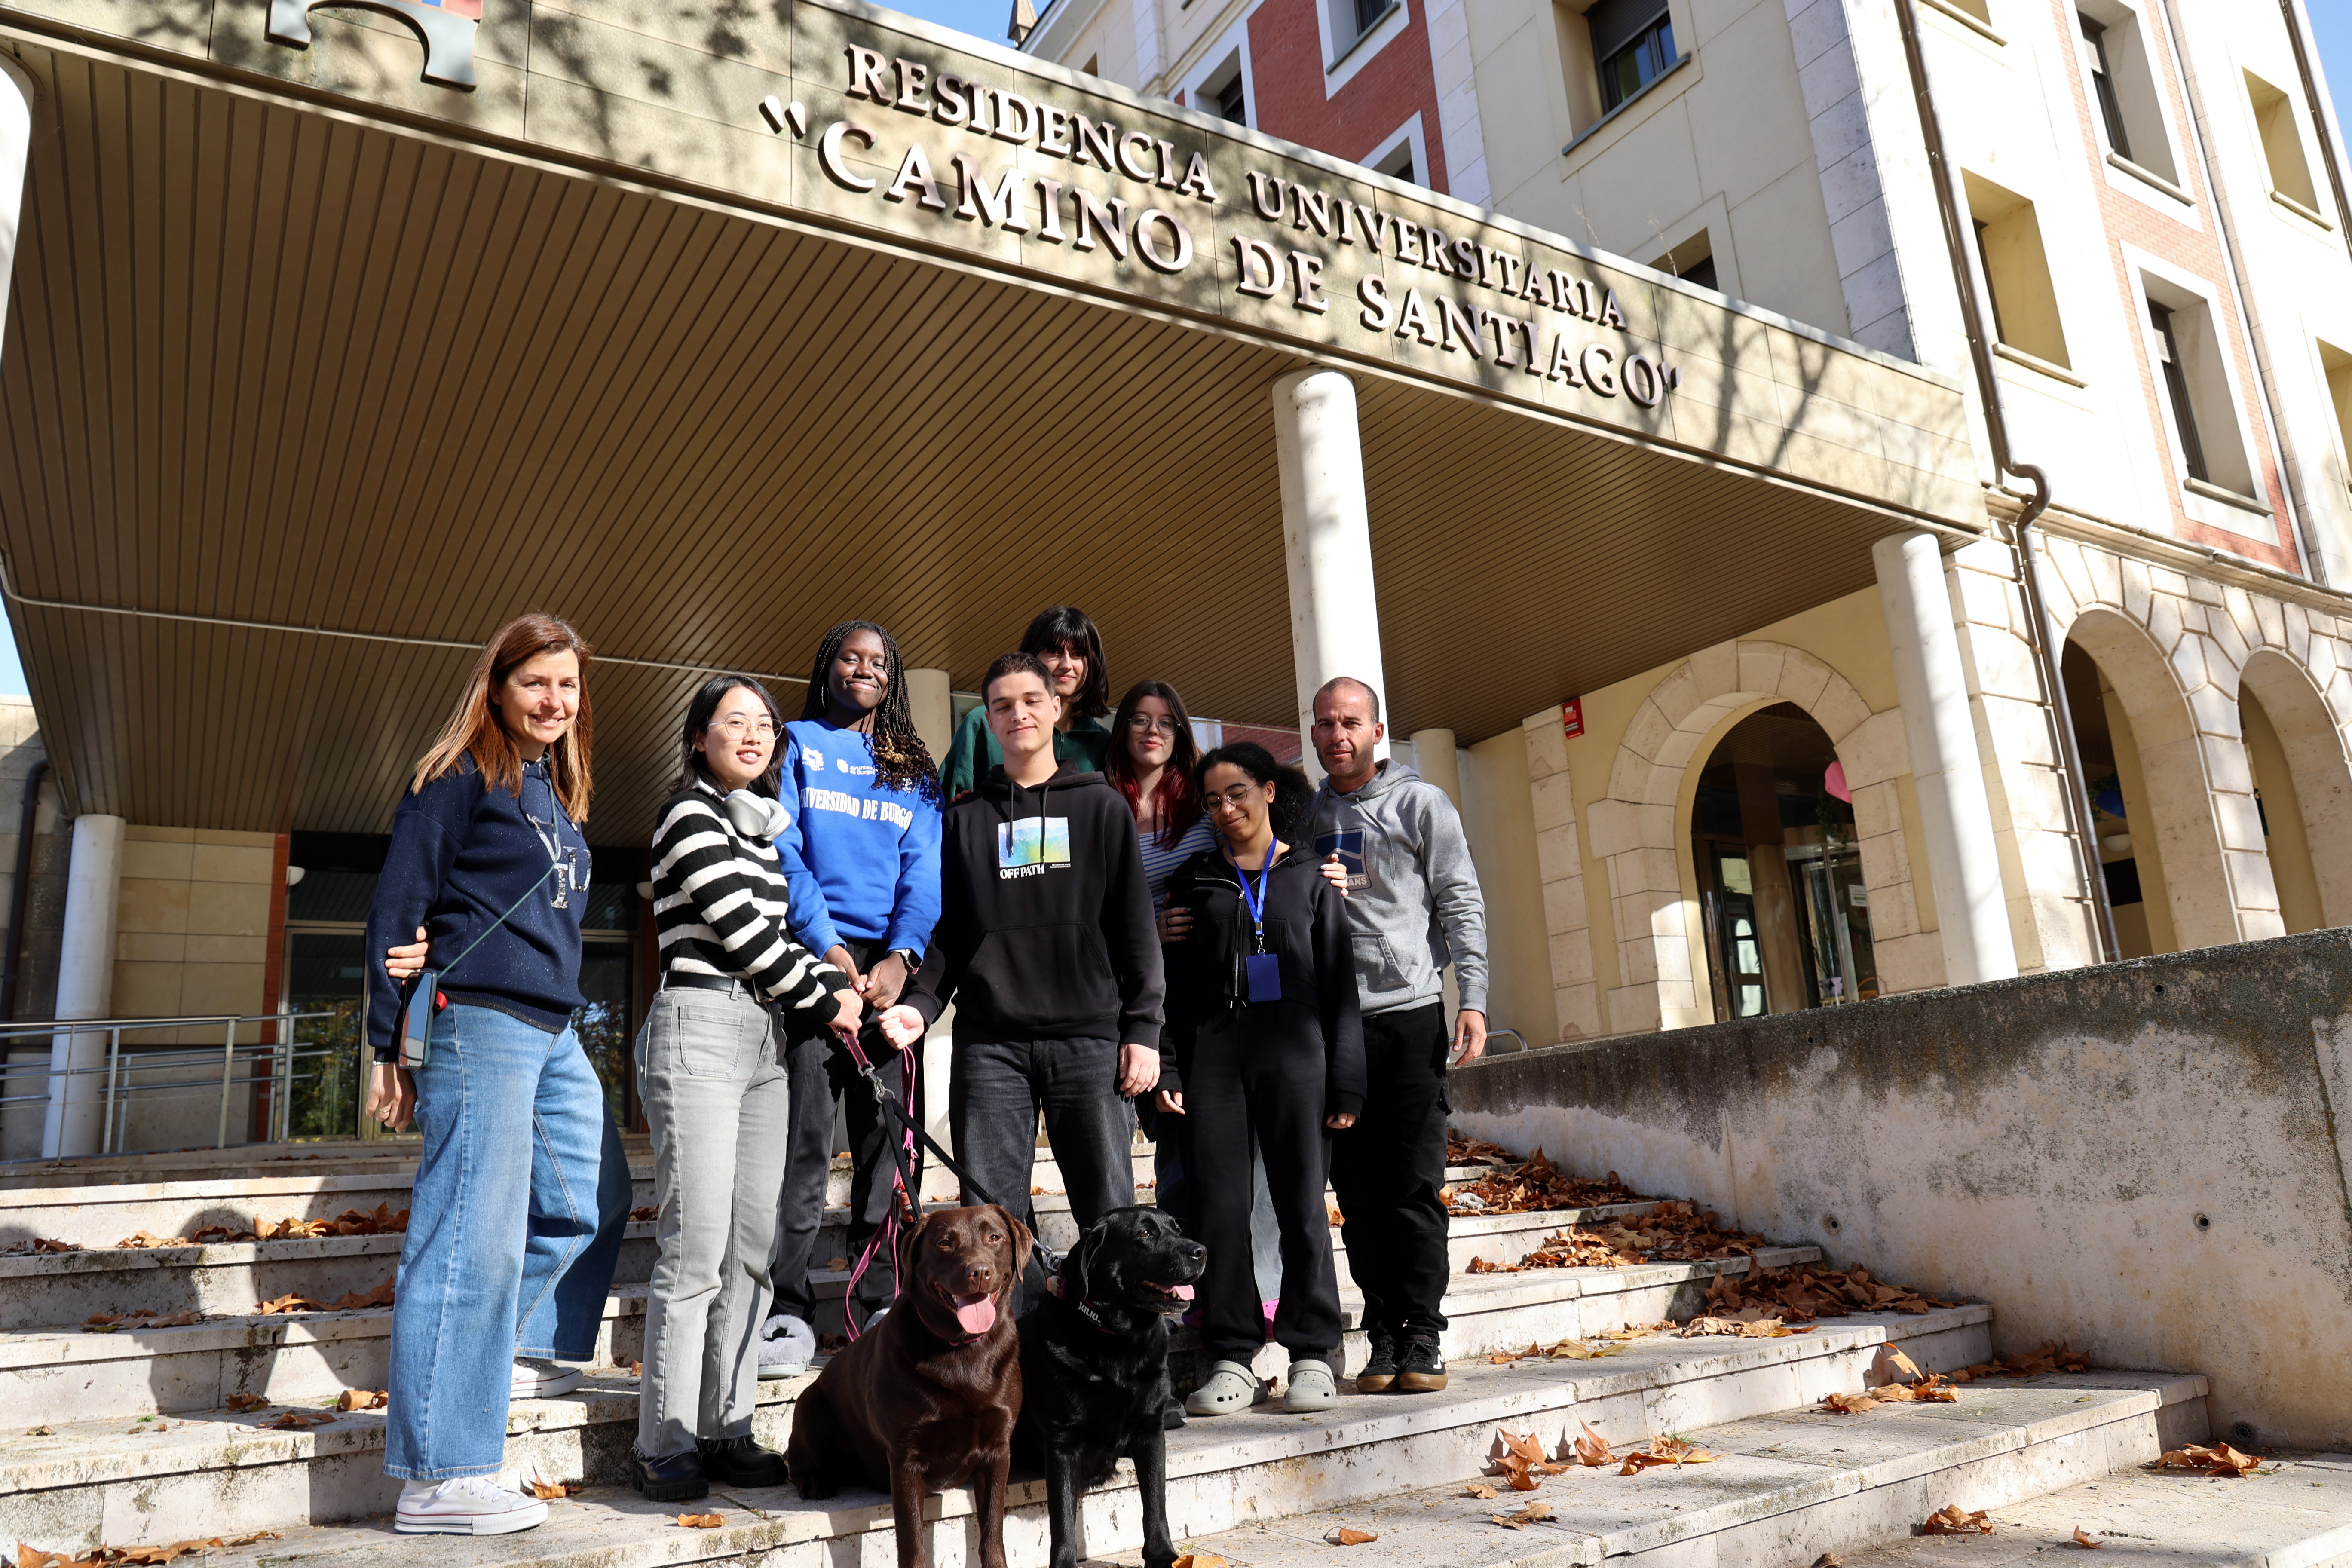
(416, 1022)
(1264, 976)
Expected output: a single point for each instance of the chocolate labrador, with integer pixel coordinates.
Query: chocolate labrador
(1093, 1360)
(927, 1398)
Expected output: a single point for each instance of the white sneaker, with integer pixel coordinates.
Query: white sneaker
(787, 1346)
(466, 1505)
(537, 1378)
(867, 1326)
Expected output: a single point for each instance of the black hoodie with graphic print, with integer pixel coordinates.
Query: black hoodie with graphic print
(1046, 931)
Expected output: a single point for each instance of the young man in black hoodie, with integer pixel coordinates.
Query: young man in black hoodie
(1047, 947)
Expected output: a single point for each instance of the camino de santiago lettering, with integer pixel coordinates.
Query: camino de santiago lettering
(1129, 193)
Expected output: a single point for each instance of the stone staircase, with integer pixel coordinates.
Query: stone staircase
(126, 1438)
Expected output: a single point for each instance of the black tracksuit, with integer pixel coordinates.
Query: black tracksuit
(1277, 1068)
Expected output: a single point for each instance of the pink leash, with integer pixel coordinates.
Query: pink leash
(887, 1237)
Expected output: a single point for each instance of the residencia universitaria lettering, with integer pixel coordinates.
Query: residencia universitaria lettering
(1526, 328)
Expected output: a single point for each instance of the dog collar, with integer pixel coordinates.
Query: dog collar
(1059, 1285)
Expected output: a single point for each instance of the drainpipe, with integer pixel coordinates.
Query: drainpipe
(13, 953)
(2045, 655)
(2232, 253)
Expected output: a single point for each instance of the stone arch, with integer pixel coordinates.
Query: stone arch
(2181, 705)
(2319, 768)
(1641, 831)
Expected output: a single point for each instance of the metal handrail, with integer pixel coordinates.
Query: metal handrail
(114, 1099)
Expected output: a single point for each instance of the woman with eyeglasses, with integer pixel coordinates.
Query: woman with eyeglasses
(714, 1080)
(522, 1192)
(1265, 1042)
(1063, 639)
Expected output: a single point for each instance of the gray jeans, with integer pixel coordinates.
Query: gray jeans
(711, 1074)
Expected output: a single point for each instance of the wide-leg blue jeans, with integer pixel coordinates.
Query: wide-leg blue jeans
(514, 1228)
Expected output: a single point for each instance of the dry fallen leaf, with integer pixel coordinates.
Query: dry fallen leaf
(1480, 1490)
(1891, 1366)
(1592, 1449)
(1202, 1560)
(41, 1431)
(1952, 1522)
(289, 1303)
(362, 1399)
(700, 1520)
(1348, 1535)
(245, 1402)
(1525, 1517)
(296, 1420)
(645, 1212)
(2218, 1460)
(637, 1369)
(1829, 1560)
(1666, 1451)
(547, 1490)
(2083, 1540)
(1848, 1403)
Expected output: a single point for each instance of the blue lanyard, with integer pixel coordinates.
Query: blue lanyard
(1257, 904)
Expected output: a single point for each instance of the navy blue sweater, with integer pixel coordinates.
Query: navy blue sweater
(460, 855)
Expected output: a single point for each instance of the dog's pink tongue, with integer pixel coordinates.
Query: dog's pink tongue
(1182, 1293)
(976, 1316)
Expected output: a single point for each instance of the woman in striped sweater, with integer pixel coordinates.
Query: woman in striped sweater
(711, 1073)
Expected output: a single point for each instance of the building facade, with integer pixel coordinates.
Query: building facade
(2121, 228)
(338, 334)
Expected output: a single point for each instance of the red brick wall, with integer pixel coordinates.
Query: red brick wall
(1287, 77)
(2194, 250)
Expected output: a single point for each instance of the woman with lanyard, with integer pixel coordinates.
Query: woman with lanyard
(1265, 1043)
(1063, 639)
(522, 1192)
(713, 1072)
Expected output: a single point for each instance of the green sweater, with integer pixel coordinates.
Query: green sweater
(1084, 746)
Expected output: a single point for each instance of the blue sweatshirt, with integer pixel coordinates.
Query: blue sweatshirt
(460, 855)
(861, 864)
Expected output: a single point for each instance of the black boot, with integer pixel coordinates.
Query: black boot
(740, 1462)
(673, 1477)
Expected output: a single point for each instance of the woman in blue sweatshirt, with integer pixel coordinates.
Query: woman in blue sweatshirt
(862, 863)
(522, 1191)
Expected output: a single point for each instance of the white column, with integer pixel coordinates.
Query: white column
(1954, 816)
(1335, 625)
(1433, 757)
(85, 985)
(934, 714)
(933, 710)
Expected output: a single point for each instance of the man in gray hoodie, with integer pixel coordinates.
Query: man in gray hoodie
(1396, 844)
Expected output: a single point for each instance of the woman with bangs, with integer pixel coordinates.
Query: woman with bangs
(1063, 639)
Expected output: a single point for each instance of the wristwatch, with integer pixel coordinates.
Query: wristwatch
(909, 957)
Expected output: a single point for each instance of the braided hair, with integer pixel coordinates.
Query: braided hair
(901, 761)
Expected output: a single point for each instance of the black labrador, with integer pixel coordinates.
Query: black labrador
(1094, 1371)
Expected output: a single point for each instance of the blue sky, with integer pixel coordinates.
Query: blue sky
(2331, 21)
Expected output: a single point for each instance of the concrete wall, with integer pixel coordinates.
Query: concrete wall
(2144, 1160)
(36, 987)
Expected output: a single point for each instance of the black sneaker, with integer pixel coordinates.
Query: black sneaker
(673, 1477)
(741, 1462)
(1422, 1370)
(1381, 1371)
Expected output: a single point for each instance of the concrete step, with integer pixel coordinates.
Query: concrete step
(90, 1481)
(1789, 1488)
(98, 1215)
(2297, 1514)
(63, 1289)
(136, 1371)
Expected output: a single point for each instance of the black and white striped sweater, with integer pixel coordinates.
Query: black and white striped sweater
(719, 906)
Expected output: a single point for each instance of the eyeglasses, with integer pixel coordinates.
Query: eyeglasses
(1145, 724)
(733, 729)
(1237, 798)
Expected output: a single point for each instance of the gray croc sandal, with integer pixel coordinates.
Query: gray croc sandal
(1231, 1388)
(1312, 1388)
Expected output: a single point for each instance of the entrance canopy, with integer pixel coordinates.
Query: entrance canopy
(707, 326)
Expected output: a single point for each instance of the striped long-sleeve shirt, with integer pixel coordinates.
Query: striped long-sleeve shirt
(719, 907)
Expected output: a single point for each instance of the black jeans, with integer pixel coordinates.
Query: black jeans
(993, 1097)
(1387, 1172)
(1262, 1078)
(822, 1075)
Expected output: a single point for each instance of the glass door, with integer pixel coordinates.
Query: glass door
(1834, 930)
(1735, 949)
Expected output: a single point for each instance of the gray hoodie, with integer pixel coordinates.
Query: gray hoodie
(1412, 894)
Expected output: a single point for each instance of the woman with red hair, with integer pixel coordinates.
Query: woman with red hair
(522, 1192)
